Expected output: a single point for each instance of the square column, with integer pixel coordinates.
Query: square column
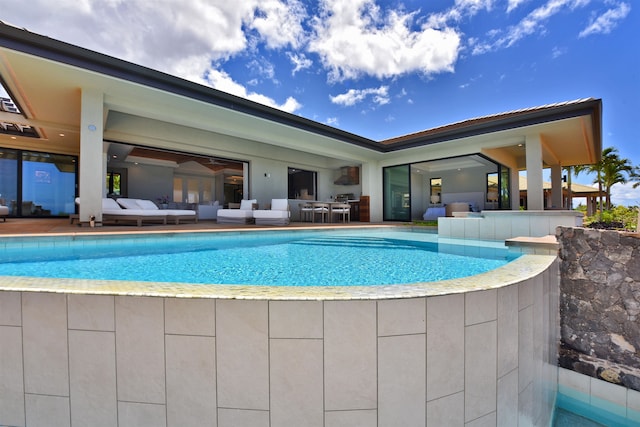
(92, 164)
(535, 194)
(556, 187)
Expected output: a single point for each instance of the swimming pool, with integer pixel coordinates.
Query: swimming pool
(303, 258)
(112, 352)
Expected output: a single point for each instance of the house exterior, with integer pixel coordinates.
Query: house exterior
(83, 124)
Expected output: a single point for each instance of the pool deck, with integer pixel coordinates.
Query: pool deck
(61, 226)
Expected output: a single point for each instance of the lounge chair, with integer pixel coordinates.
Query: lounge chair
(173, 215)
(112, 211)
(279, 213)
(243, 215)
(4, 212)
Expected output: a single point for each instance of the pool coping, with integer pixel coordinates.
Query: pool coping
(521, 269)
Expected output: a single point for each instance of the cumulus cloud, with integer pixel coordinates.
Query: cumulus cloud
(179, 38)
(606, 22)
(355, 37)
(379, 95)
(222, 81)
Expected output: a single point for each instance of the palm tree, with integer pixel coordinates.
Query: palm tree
(577, 170)
(614, 171)
(634, 176)
(610, 170)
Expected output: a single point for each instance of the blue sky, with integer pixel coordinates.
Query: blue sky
(377, 68)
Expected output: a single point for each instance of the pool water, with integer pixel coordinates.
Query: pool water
(572, 412)
(294, 258)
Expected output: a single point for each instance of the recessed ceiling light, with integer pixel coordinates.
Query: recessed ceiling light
(61, 134)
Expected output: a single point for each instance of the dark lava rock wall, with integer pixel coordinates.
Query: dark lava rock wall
(600, 304)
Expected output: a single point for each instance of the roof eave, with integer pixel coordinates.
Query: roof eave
(24, 41)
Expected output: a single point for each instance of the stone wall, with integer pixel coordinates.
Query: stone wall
(600, 304)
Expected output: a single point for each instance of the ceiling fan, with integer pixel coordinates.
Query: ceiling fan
(214, 161)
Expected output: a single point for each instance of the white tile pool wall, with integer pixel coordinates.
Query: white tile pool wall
(503, 225)
(480, 358)
(600, 394)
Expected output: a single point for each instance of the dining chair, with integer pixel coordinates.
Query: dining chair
(342, 210)
(321, 209)
(306, 212)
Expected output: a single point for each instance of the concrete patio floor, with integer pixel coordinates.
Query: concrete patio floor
(50, 226)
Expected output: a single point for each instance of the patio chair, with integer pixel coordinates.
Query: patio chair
(342, 210)
(243, 215)
(321, 209)
(306, 212)
(4, 212)
(279, 214)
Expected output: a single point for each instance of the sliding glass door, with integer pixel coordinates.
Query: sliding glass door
(37, 184)
(397, 193)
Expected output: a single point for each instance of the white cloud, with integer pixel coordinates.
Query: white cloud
(299, 61)
(354, 37)
(513, 4)
(222, 81)
(558, 51)
(333, 121)
(531, 24)
(279, 22)
(177, 37)
(625, 194)
(353, 96)
(606, 22)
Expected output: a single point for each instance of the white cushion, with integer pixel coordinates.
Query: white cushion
(247, 204)
(270, 214)
(128, 203)
(235, 213)
(280, 204)
(147, 204)
(110, 204)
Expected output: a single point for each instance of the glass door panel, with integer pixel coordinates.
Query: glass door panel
(396, 193)
(48, 184)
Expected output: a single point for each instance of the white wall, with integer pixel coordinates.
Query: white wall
(484, 357)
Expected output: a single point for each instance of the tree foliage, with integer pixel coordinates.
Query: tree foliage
(610, 170)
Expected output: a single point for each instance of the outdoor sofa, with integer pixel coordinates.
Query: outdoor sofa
(172, 215)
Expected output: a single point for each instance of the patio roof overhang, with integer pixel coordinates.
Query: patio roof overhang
(45, 78)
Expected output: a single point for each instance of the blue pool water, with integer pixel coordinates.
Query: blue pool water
(293, 258)
(571, 412)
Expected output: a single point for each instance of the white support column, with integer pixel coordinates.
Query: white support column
(556, 187)
(92, 164)
(535, 194)
(514, 175)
